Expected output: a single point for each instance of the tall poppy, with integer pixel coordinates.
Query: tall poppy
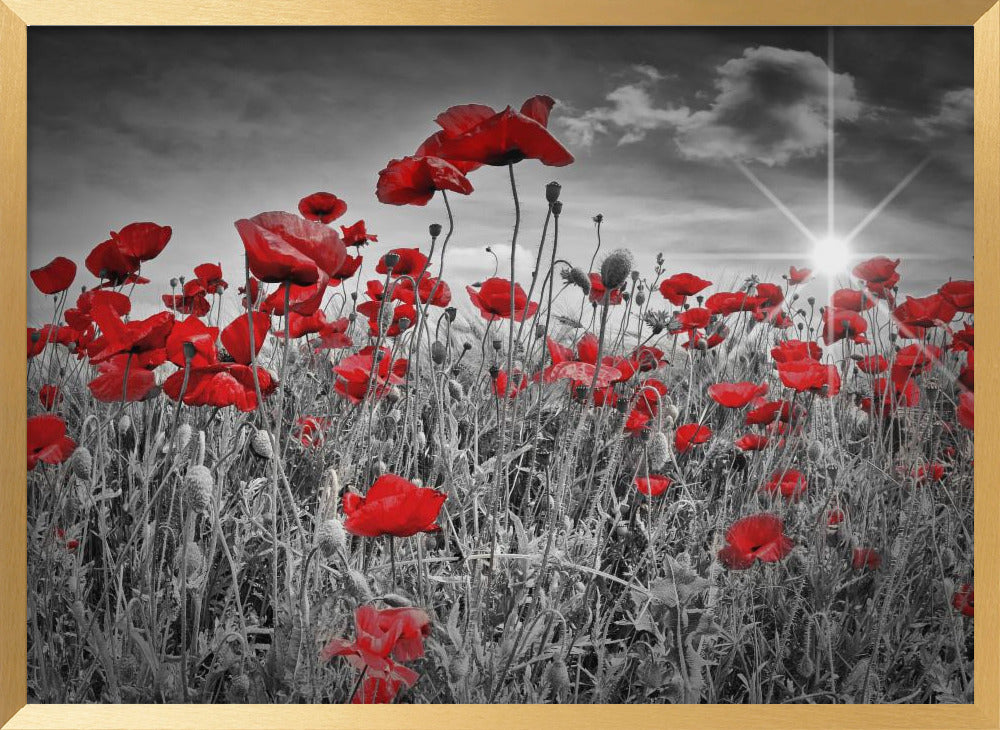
(679, 287)
(322, 207)
(55, 277)
(284, 248)
(414, 180)
(47, 440)
(393, 506)
(736, 395)
(757, 537)
(494, 300)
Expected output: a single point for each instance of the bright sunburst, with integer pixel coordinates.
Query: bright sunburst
(831, 255)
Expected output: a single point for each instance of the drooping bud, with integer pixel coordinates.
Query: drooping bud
(616, 268)
(198, 487)
(455, 389)
(330, 537)
(260, 444)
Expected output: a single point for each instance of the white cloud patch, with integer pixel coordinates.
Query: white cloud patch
(954, 117)
(770, 106)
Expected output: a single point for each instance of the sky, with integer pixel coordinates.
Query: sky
(196, 128)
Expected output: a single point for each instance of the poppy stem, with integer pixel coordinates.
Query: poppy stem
(128, 365)
(253, 342)
(392, 560)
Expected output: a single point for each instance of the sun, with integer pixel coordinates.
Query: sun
(831, 255)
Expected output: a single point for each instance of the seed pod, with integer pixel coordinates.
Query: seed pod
(198, 487)
(659, 449)
(558, 677)
(815, 451)
(640, 298)
(330, 537)
(434, 229)
(194, 561)
(260, 444)
(616, 268)
(552, 191)
(82, 462)
(455, 390)
(183, 437)
(438, 352)
(357, 586)
(390, 260)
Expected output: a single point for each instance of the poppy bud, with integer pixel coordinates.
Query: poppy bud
(82, 462)
(616, 268)
(393, 394)
(557, 208)
(390, 260)
(124, 425)
(640, 298)
(189, 351)
(552, 191)
(260, 444)
(357, 585)
(815, 451)
(174, 282)
(812, 301)
(354, 297)
(599, 218)
(194, 560)
(331, 537)
(658, 449)
(455, 390)
(198, 487)
(539, 331)
(494, 371)
(240, 687)
(451, 313)
(558, 676)
(467, 346)
(438, 352)
(435, 229)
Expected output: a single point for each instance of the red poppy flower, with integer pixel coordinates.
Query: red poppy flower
(731, 302)
(965, 339)
(192, 301)
(597, 291)
(960, 294)
(348, 269)
(879, 275)
(112, 385)
(798, 276)
(333, 335)
(221, 385)
(654, 485)
(402, 314)
(254, 298)
(752, 442)
(966, 410)
(865, 559)
(55, 277)
(107, 261)
(581, 374)
(311, 430)
(136, 337)
(854, 300)
(235, 336)
(393, 506)
(792, 350)
(48, 396)
(509, 387)
(757, 537)
(843, 323)
(914, 360)
(414, 180)
(695, 318)
(932, 311)
(192, 331)
(494, 300)
(115, 301)
(384, 637)
(647, 398)
(410, 262)
(964, 600)
(357, 374)
(735, 395)
(356, 234)
(300, 326)
(142, 241)
(834, 517)
(36, 341)
(648, 358)
(477, 133)
(282, 247)
(810, 376)
(430, 290)
(873, 364)
(769, 295)
(791, 484)
(47, 440)
(304, 300)
(690, 435)
(696, 339)
(322, 207)
(210, 277)
(636, 423)
(679, 287)
(765, 413)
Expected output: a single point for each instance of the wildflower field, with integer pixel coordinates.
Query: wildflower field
(599, 484)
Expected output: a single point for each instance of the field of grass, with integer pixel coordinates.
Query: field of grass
(606, 486)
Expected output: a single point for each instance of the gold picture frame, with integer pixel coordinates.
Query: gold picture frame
(17, 15)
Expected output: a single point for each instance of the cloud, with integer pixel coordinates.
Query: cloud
(770, 106)
(954, 117)
(630, 115)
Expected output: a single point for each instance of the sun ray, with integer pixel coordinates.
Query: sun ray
(888, 199)
(774, 199)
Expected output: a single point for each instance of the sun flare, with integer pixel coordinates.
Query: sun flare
(831, 255)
